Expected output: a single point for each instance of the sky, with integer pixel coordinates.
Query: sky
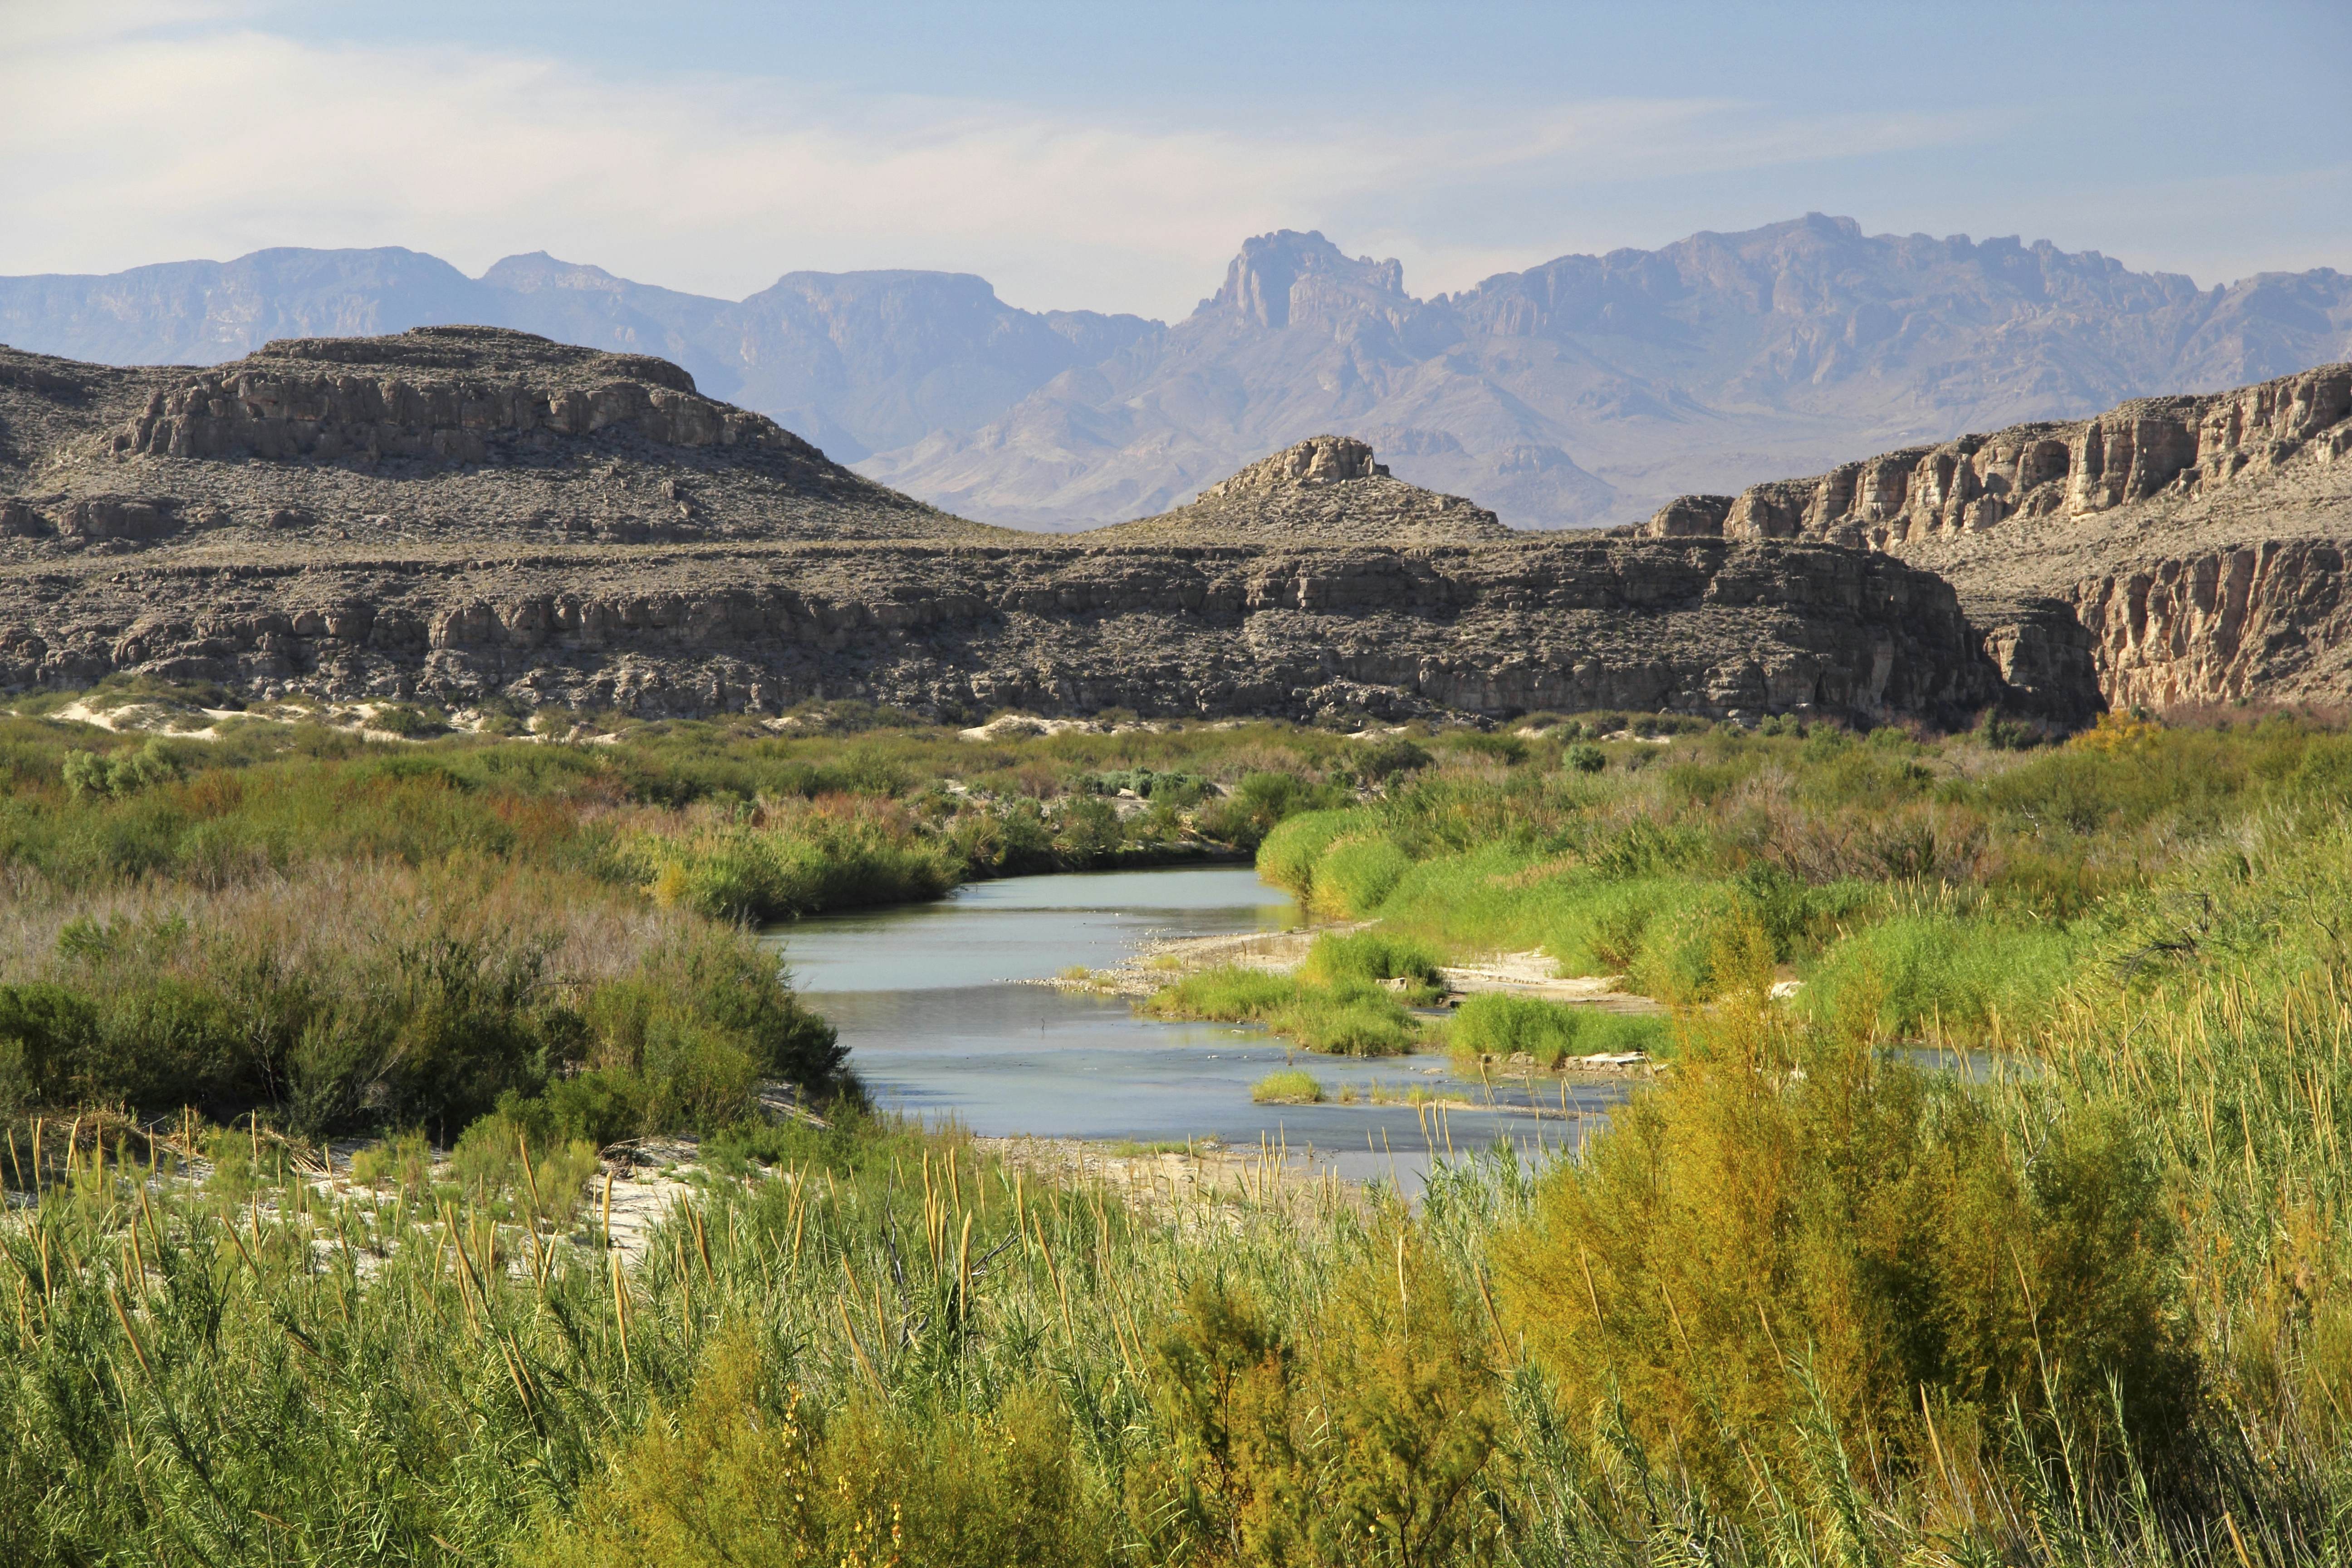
(1113, 156)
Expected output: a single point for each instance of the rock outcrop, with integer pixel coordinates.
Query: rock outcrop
(2196, 544)
(1324, 488)
(954, 631)
(458, 513)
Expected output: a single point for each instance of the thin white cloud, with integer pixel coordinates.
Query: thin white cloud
(162, 130)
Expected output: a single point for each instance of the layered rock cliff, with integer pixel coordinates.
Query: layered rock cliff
(954, 631)
(459, 513)
(2186, 550)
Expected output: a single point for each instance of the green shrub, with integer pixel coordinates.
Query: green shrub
(502, 1168)
(1227, 995)
(1348, 1021)
(1261, 801)
(1351, 1018)
(1388, 758)
(1088, 832)
(1748, 1253)
(1289, 1087)
(1585, 757)
(1375, 956)
(1920, 974)
(1497, 1024)
(406, 721)
(403, 1160)
(120, 773)
(1177, 789)
(1289, 853)
(1508, 749)
(806, 862)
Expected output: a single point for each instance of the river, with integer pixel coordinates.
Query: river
(940, 1007)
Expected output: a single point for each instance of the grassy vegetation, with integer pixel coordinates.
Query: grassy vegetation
(1288, 1087)
(344, 934)
(1495, 1024)
(1349, 1018)
(1803, 1301)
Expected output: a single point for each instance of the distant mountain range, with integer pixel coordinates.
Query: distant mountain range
(1581, 392)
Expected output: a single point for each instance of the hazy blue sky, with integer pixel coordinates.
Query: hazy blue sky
(1113, 156)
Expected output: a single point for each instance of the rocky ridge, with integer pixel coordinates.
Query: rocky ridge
(456, 514)
(2185, 550)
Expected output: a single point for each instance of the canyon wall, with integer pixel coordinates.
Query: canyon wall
(2196, 542)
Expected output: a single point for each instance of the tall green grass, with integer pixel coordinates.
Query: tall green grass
(1503, 1025)
(1349, 1017)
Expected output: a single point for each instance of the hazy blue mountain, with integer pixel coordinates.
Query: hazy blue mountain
(1582, 391)
(1591, 388)
(202, 312)
(856, 361)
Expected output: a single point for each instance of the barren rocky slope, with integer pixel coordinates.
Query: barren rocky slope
(2190, 548)
(455, 513)
(1325, 487)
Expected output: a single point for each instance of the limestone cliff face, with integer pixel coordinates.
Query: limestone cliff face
(1299, 633)
(2132, 453)
(2270, 619)
(2197, 542)
(289, 402)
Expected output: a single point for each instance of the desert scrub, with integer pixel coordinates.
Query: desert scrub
(790, 860)
(1289, 1087)
(1287, 856)
(1356, 876)
(1874, 1224)
(1495, 1024)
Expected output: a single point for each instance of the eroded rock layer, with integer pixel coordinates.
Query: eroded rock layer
(954, 631)
(2184, 550)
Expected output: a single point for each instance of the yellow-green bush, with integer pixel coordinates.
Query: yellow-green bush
(1290, 852)
(1745, 1240)
(745, 1472)
(1350, 1016)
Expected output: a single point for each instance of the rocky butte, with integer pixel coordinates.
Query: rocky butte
(455, 513)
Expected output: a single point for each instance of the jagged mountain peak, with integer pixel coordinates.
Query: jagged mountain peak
(1260, 281)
